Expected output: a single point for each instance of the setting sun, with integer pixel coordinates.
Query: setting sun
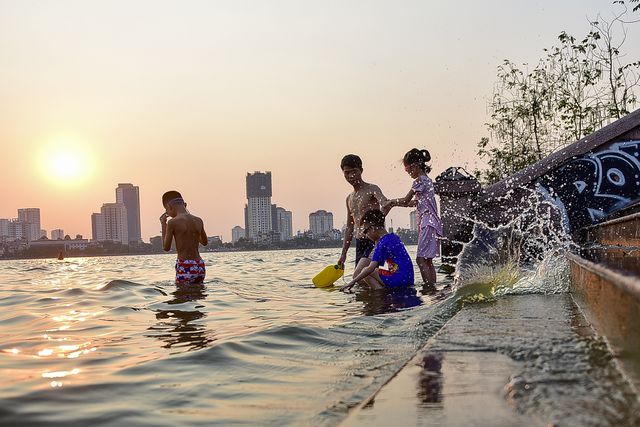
(66, 163)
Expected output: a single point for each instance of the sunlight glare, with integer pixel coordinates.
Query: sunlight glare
(65, 162)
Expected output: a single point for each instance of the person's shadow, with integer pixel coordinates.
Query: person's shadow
(179, 328)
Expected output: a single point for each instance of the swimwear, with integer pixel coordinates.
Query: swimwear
(364, 247)
(189, 271)
(399, 271)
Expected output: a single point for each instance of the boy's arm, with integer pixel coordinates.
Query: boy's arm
(167, 234)
(381, 198)
(363, 273)
(204, 240)
(348, 235)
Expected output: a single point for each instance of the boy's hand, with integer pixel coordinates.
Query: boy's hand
(348, 286)
(342, 260)
(163, 218)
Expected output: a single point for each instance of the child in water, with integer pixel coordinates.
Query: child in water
(188, 231)
(389, 249)
(429, 224)
(364, 197)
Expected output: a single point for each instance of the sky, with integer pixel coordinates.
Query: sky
(192, 95)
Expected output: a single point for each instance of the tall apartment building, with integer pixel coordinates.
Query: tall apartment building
(282, 222)
(114, 216)
(321, 222)
(30, 216)
(258, 218)
(57, 234)
(4, 227)
(413, 225)
(97, 227)
(237, 233)
(129, 195)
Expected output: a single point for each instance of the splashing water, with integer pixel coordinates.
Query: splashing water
(523, 256)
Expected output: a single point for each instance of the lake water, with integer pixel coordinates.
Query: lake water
(113, 341)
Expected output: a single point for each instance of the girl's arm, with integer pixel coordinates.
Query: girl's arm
(405, 201)
(363, 273)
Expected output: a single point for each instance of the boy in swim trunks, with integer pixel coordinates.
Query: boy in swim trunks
(365, 197)
(188, 232)
(388, 251)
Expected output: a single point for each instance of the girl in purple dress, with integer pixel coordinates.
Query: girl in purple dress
(422, 196)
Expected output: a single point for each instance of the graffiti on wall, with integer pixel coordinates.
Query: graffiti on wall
(590, 187)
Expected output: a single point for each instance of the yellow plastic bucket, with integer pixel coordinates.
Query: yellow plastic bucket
(328, 276)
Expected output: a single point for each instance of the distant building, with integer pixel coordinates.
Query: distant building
(320, 223)
(214, 242)
(258, 218)
(115, 222)
(97, 227)
(413, 226)
(68, 244)
(43, 234)
(237, 233)
(31, 216)
(284, 222)
(57, 234)
(4, 227)
(129, 196)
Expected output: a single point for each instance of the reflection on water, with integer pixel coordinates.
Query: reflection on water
(79, 337)
(379, 301)
(430, 378)
(180, 327)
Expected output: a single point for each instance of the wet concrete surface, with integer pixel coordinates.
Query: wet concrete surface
(520, 360)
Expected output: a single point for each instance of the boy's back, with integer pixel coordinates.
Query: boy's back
(188, 231)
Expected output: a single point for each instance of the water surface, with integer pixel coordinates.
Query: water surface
(113, 341)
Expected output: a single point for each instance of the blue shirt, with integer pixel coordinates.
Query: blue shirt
(399, 270)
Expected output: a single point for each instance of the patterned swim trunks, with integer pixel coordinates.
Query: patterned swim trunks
(189, 271)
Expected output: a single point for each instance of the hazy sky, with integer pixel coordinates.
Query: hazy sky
(192, 95)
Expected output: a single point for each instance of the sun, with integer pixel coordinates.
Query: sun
(66, 162)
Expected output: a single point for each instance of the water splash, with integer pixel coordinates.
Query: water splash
(523, 255)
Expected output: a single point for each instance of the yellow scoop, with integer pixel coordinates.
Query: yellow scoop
(328, 276)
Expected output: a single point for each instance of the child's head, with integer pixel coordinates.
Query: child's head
(415, 161)
(351, 166)
(170, 200)
(371, 221)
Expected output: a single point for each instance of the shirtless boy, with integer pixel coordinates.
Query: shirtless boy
(365, 197)
(188, 231)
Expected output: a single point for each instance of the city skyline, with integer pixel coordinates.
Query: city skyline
(192, 96)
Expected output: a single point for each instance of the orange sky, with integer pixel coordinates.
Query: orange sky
(193, 95)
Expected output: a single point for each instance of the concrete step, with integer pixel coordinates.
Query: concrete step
(520, 360)
(623, 231)
(610, 301)
(623, 259)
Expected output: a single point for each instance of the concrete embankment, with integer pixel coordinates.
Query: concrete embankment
(520, 360)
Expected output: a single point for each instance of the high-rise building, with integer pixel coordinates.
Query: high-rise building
(237, 233)
(4, 227)
(97, 227)
(413, 226)
(258, 218)
(115, 222)
(283, 222)
(320, 222)
(129, 196)
(57, 234)
(43, 234)
(31, 216)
